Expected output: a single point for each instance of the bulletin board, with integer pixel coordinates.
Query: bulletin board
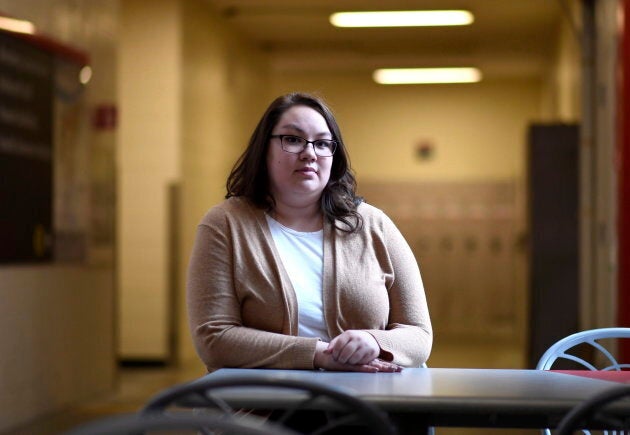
(34, 73)
(26, 77)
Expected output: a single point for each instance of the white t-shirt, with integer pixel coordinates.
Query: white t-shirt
(302, 255)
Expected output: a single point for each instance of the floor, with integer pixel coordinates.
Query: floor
(137, 384)
(134, 386)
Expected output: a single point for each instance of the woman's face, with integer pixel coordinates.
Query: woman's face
(298, 177)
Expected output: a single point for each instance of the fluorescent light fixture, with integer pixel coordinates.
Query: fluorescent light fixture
(17, 26)
(402, 18)
(401, 76)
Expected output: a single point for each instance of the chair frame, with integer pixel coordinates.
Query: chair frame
(591, 412)
(201, 393)
(136, 424)
(559, 350)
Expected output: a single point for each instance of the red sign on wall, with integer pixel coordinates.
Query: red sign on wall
(105, 117)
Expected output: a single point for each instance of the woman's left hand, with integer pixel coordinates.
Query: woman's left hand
(354, 347)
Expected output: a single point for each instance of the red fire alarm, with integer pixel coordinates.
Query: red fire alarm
(105, 117)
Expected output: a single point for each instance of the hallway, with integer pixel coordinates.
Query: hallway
(124, 117)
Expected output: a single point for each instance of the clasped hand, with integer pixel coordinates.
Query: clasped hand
(352, 350)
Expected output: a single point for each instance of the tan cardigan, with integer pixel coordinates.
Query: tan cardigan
(243, 310)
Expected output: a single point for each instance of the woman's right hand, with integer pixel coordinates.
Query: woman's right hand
(324, 360)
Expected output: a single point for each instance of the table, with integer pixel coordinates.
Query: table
(426, 397)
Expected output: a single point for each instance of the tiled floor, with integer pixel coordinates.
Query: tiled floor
(136, 385)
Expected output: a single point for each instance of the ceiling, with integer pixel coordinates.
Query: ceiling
(509, 38)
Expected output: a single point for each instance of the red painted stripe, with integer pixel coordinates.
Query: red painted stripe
(623, 161)
(52, 45)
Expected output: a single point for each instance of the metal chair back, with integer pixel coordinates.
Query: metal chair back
(566, 349)
(290, 403)
(563, 348)
(180, 423)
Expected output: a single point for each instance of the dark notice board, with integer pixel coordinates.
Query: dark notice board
(26, 151)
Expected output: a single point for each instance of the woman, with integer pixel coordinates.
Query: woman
(293, 270)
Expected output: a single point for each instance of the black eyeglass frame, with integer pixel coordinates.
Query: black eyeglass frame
(332, 142)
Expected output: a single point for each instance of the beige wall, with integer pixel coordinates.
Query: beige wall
(562, 99)
(57, 321)
(148, 161)
(57, 339)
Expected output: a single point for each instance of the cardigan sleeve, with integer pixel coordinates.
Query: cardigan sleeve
(226, 334)
(408, 337)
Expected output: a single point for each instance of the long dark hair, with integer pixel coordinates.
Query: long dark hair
(249, 177)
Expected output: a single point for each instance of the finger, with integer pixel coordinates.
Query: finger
(364, 368)
(332, 345)
(384, 366)
(347, 352)
(361, 356)
(337, 346)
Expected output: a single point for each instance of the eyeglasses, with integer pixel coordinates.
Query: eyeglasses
(297, 144)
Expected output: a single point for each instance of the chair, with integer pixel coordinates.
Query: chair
(568, 349)
(182, 423)
(562, 349)
(327, 409)
(594, 412)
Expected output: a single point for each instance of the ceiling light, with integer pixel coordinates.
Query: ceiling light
(402, 18)
(17, 26)
(401, 76)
